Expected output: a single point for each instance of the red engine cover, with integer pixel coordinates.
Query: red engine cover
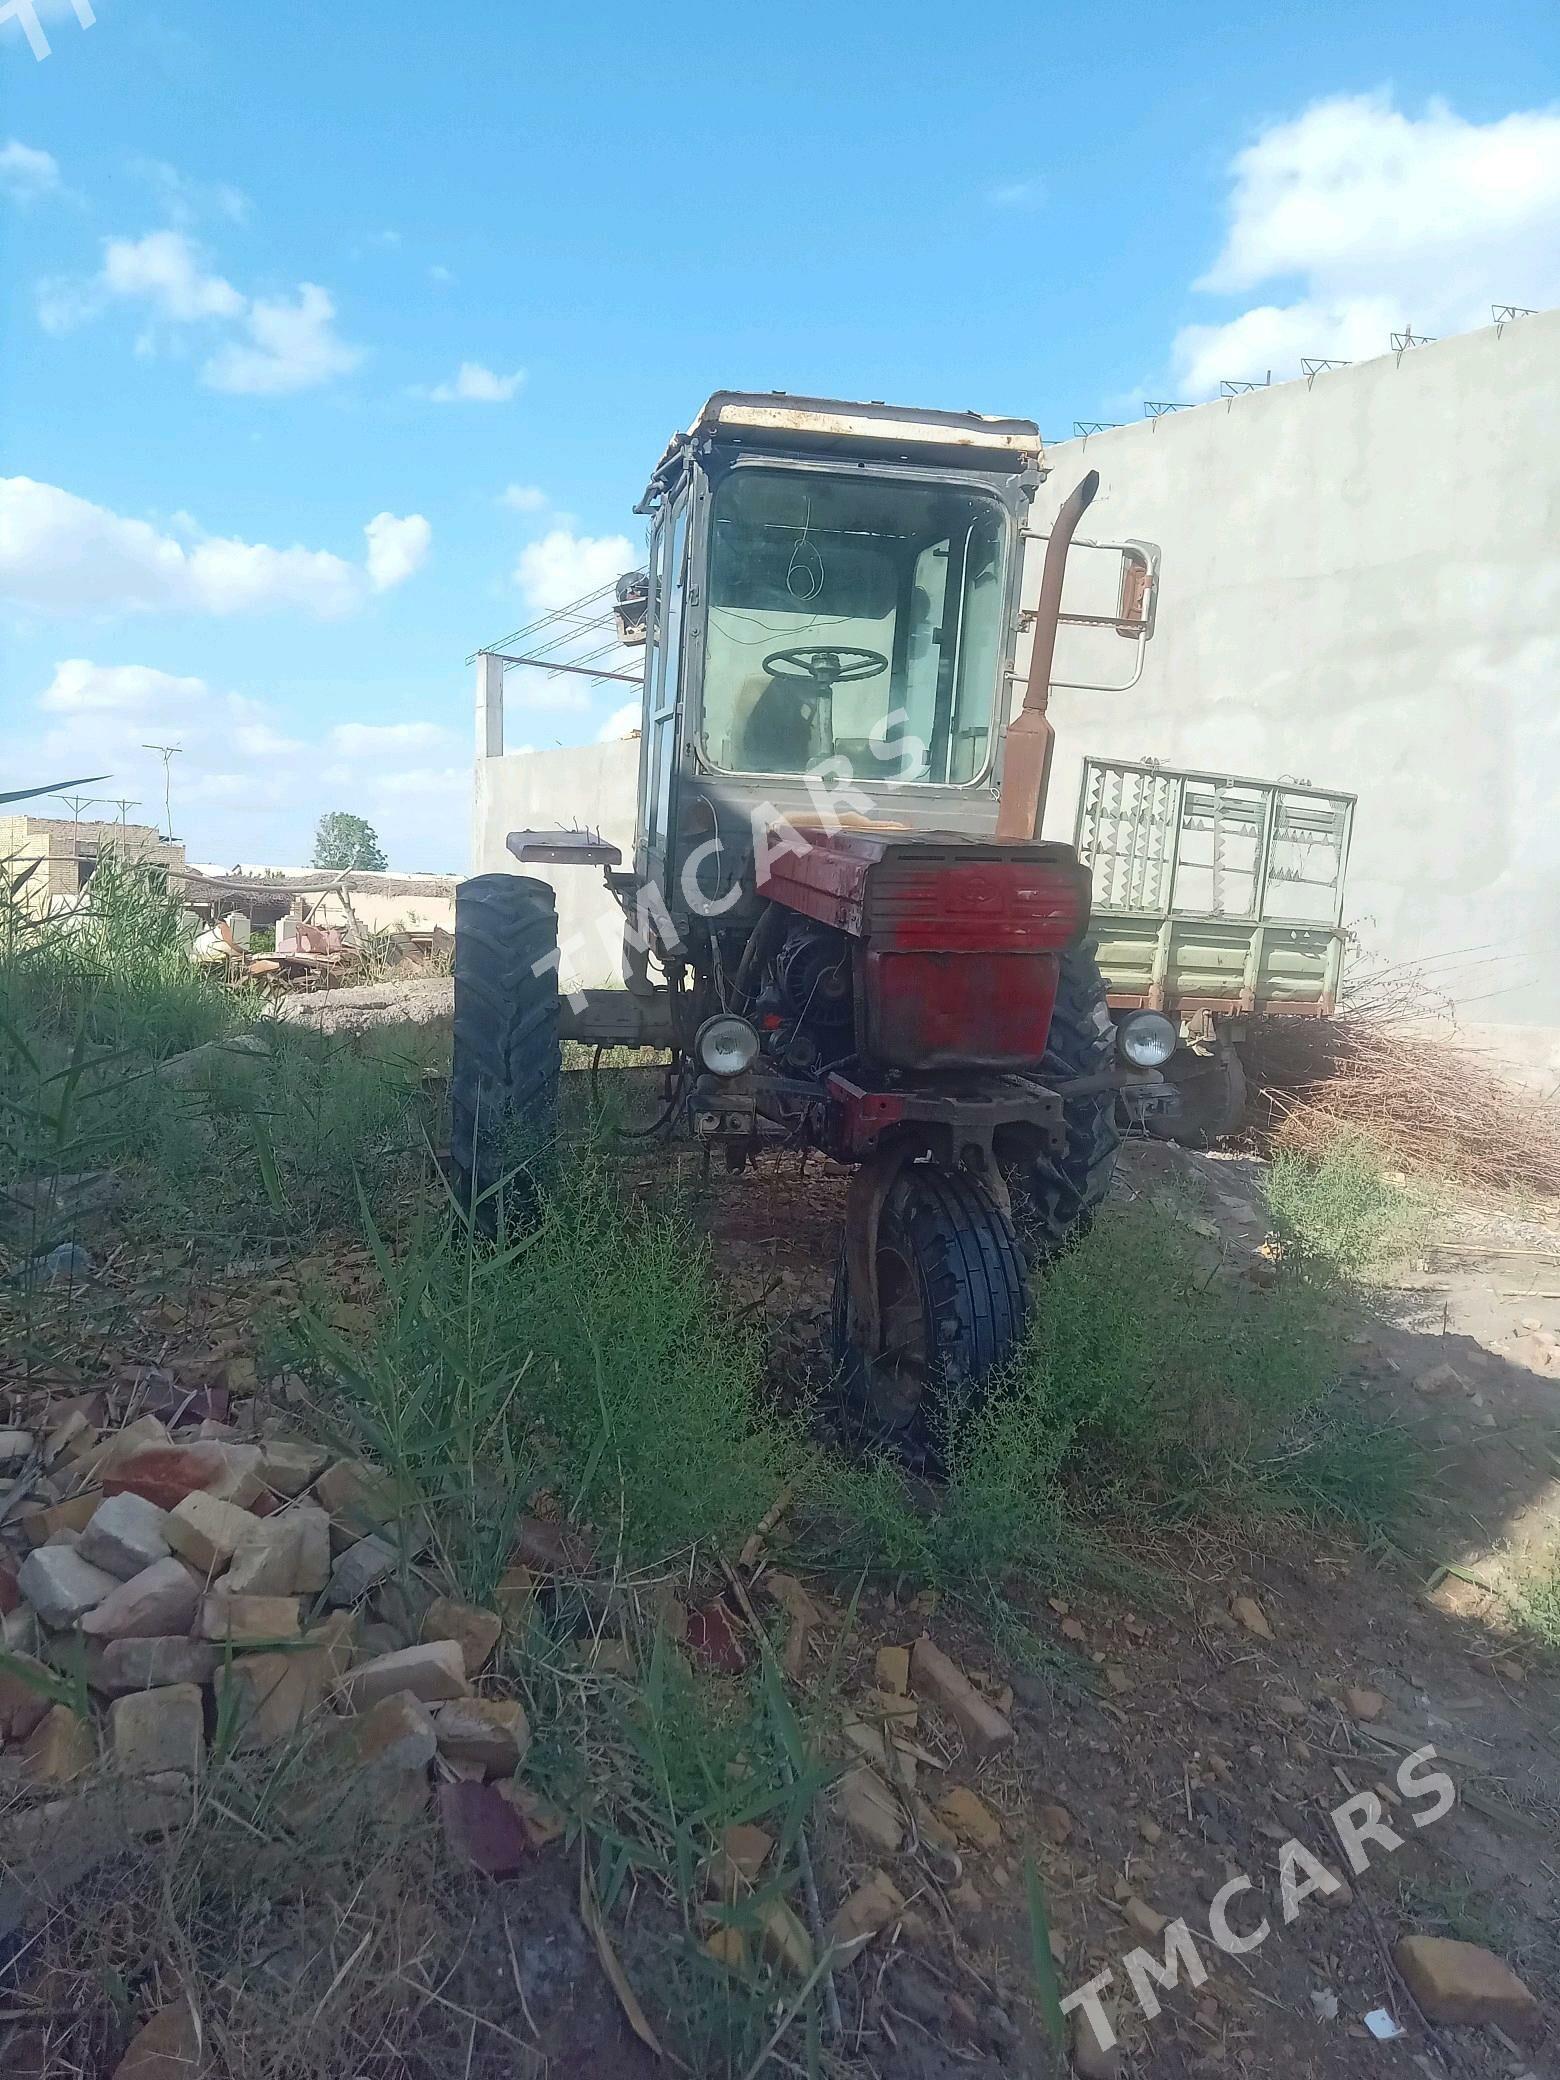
(960, 938)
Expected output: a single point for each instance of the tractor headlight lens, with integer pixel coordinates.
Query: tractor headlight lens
(726, 1044)
(1147, 1039)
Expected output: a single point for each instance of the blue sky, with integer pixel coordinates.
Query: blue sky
(249, 248)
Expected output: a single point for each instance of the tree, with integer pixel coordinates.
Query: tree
(344, 840)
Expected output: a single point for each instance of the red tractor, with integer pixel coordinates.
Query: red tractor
(841, 918)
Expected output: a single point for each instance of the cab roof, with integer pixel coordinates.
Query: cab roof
(775, 420)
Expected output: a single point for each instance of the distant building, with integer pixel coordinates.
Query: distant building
(354, 899)
(49, 860)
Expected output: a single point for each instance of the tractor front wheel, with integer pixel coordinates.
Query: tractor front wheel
(504, 1075)
(951, 1306)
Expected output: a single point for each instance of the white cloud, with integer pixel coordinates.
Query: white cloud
(81, 687)
(474, 384)
(1379, 220)
(441, 274)
(292, 346)
(562, 566)
(279, 344)
(26, 173)
(63, 554)
(244, 784)
(623, 722)
(1030, 194)
(523, 498)
(396, 548)
(356, 739)
(164, 269)
(260, 740)
(185, 200)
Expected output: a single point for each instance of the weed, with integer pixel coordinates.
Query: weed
(1149, 1389)
(1339, 1215)
(1536, 1602)
(592, 1344)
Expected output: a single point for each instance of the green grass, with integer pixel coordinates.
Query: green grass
(590, 1353)
(1537, 1605)
(1340, 1216)
(1151, 1390)
(223, 1149)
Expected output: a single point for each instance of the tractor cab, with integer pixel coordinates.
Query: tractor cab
(841, 921)
(832, 618)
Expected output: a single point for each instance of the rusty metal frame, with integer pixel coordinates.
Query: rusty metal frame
(1026, 751)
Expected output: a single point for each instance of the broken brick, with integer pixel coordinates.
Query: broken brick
(246, 1619)
(934, 1676)
(206, 1531)
(433, 1671)
(1461, 1982)
(158, 1730)
(125, 1535)
(491, 1733)
(397, 1733)
(477, 1630)
(59, 1749)
(713, 1639)
(165, 2048)
(483, 1828)
(158, 1602)
(61, 1586)
(153, 1664)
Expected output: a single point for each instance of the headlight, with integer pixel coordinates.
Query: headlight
(1147, 1039)
(726, 1045)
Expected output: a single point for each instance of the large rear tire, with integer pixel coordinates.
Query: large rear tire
(1055, 1197)
(951, 1293)
(504, 1075)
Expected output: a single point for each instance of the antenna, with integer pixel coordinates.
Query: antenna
(167, 753)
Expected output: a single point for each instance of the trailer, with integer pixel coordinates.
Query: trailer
(1217, 899)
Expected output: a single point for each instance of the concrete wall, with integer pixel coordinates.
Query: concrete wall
(591, 786)
(1360, 586)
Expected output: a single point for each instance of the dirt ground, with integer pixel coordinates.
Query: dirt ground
(1190, 1749)
(1169, 1746)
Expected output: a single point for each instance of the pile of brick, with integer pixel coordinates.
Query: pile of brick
(203, 1579)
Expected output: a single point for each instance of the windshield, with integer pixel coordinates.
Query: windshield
(852, 616)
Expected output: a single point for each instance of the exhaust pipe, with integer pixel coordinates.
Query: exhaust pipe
(1026, 757)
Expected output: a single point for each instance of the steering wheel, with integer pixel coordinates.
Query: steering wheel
(826, 668)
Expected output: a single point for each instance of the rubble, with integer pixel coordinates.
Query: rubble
(934, 1677)
(478, 1631)
(165, 2048)
(397, 1733)
(870, 1810)
(153, 1664)
(491, 1733)
(207, 1531)
(432, 1671)
(158, 1731)
(24, 1696)
(868, 1911)
(284, 1555)
(59, 1749)
(246, 1619)
(483, 1827)
(125, 1535)
(1460, 1982)
(158, 1602)
(361, 1568)
(61, 1586)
